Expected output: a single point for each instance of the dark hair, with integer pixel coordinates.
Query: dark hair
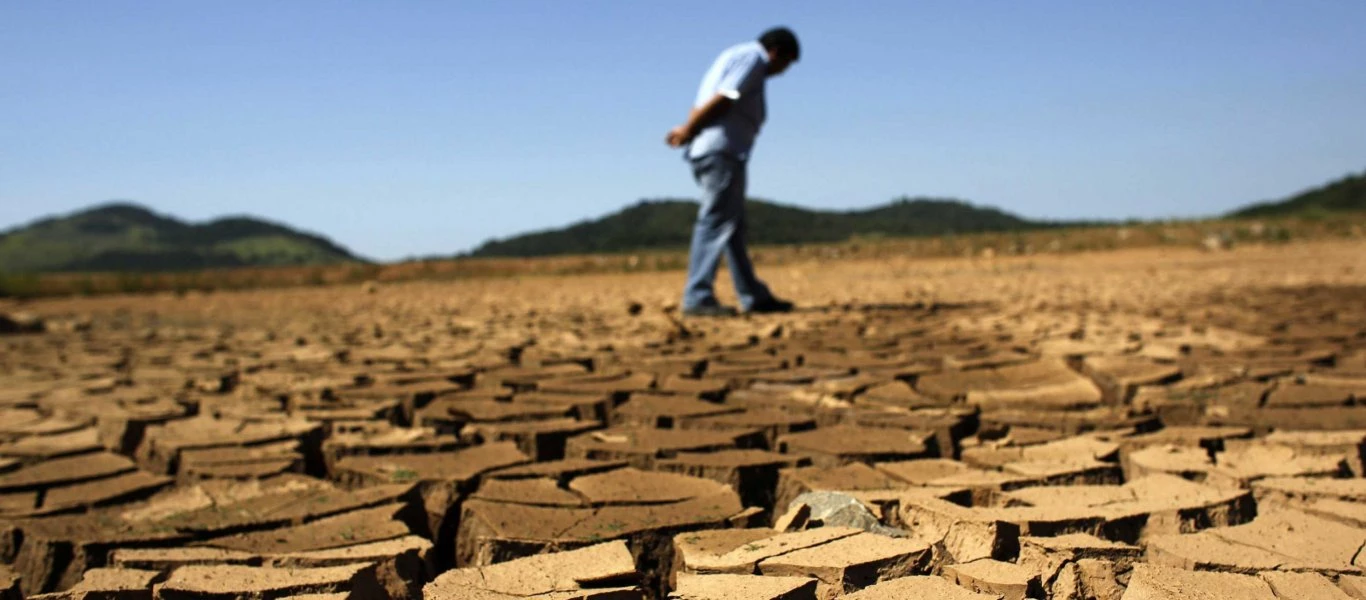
(783, 41)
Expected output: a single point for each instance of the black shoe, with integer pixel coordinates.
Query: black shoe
(709, 310)
(773, 305)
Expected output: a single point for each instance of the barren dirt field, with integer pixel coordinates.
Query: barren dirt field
(1139, 425)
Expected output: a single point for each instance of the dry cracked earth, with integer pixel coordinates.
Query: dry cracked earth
(1139, 425)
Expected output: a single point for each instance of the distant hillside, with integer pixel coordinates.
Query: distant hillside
(1346, 194)
(660, 224)
(128, 237)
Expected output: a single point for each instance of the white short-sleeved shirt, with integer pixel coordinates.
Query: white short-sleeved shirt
(738, 74)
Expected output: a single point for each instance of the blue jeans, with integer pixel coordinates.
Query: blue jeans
(720, 229)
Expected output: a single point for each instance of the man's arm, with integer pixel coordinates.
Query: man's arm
(744, 74)
(698, 118)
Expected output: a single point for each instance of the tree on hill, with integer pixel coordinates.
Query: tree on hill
(667, 224)
(123, 236)
(1346, 194)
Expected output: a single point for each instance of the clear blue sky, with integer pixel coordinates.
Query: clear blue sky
(415, 128)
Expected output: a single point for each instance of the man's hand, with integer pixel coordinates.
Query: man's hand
(697, 119)
(679, 136)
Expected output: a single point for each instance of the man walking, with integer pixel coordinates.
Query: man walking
(719, 134)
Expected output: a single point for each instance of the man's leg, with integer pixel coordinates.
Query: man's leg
(748, 288)
(717, 218)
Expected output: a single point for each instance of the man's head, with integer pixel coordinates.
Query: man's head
(783, 49)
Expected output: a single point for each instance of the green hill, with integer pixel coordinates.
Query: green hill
(128, 237)
(1346, 194)
(661, 224)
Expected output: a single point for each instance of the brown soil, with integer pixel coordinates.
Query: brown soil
(1139, 424)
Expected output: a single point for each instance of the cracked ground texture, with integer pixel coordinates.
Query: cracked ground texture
(1159, 423)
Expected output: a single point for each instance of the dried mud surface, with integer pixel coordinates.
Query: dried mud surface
(1130, 425)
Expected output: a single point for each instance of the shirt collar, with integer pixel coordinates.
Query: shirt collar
(763, 52)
